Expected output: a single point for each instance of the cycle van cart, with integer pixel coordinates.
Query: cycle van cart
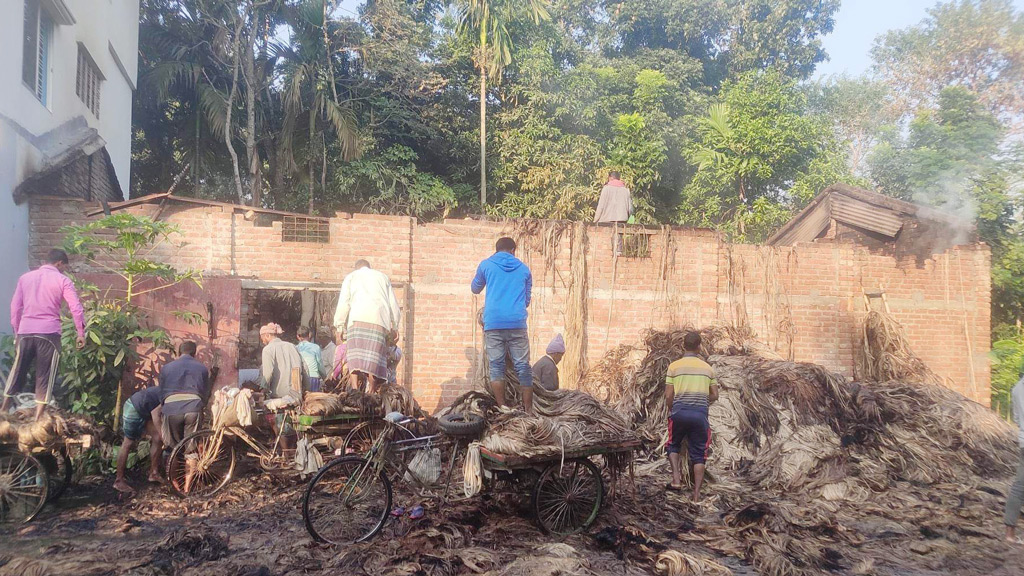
(31, 478)
(204, 462)
(350, 498)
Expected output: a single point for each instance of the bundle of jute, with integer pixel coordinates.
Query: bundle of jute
(676, 563)
(395, 398)
(884, 353)
(52, 428)
(322, 404)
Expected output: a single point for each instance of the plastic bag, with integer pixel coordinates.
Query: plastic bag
(426, 465)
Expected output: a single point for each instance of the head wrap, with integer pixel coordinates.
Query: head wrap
(556, 346)
(271, 328)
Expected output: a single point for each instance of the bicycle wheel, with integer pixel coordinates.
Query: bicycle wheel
(23, 487)
(568, 498)
(346, 502)
(360, 438)
(201, 464)
(58, 469)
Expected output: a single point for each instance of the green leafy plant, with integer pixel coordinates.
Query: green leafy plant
(1007, 364)
(116, 327)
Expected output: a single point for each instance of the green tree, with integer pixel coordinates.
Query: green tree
(116, 325)
(490, 21)
(977, 44)
(754, 149)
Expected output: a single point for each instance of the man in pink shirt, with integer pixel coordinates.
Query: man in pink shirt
(35, 316)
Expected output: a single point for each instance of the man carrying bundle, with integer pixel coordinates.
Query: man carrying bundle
(690, 388)
(185, 388)
(509, 286)
(35, 316)
(369, 315)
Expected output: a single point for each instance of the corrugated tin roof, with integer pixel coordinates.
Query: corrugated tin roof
(859, 208)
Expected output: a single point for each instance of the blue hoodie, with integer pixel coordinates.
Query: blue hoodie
(509, 286)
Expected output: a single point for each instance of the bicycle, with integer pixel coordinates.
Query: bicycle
(350, 498)
(203, 463)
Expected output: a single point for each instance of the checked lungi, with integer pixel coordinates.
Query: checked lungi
(367, 349)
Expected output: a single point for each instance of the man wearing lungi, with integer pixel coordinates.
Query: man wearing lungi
(35, 316)
(369, 315)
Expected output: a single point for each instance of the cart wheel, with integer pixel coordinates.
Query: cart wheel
(347, 501)
(58, 469)
(23, 487)
(361, 438)
(201, 464)
(567, 499)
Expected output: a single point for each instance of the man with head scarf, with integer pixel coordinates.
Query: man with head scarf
(545, 371)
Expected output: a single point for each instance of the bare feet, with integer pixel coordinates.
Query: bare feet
(156, 479)
(123, 487)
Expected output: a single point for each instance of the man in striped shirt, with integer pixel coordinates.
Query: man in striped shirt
(690, 388)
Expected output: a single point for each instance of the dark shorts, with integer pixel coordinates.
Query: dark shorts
(132, 423)
(691, 425)
(41, 351)
(314, 384)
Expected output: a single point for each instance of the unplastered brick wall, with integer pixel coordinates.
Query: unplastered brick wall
(807, 301)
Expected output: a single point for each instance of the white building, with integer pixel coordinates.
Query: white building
(68, 70)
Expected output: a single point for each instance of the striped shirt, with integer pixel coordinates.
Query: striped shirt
(691, 378)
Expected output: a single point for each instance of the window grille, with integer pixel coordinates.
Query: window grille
(305, 229)
(35, 58)
(636, 244)
(87, 82)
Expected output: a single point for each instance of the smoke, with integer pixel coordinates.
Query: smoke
(951, 194)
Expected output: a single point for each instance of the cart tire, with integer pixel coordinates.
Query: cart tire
(23, 487)
(59, 470)
(567, 499)
(334, 518)
(215, 451)
(457, 424)
(359, 440)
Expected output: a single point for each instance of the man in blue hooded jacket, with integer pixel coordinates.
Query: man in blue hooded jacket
(509, 285)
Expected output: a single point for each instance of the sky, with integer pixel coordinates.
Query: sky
(859, 22)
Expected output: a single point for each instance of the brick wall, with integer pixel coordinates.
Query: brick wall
(806, 301)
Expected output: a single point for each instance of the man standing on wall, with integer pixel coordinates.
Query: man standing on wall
(369, 315)
(509, 287)
(35, 316)
(545, 371)
(690, 388)
(185, 387)
(616, 203)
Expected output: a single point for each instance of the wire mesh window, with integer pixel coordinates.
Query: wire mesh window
(636, 244)
(305, 229)
(87, 81)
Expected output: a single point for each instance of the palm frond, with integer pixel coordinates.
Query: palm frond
(343, 120)
(165, 74)
(215, 108)
(718, 120)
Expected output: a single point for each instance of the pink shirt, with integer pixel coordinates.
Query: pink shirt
(35, 308)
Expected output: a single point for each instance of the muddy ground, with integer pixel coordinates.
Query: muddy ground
(255, 528)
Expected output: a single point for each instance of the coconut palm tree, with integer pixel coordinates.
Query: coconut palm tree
(489, 19)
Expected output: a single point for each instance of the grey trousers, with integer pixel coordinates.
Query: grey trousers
(1015, 498)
